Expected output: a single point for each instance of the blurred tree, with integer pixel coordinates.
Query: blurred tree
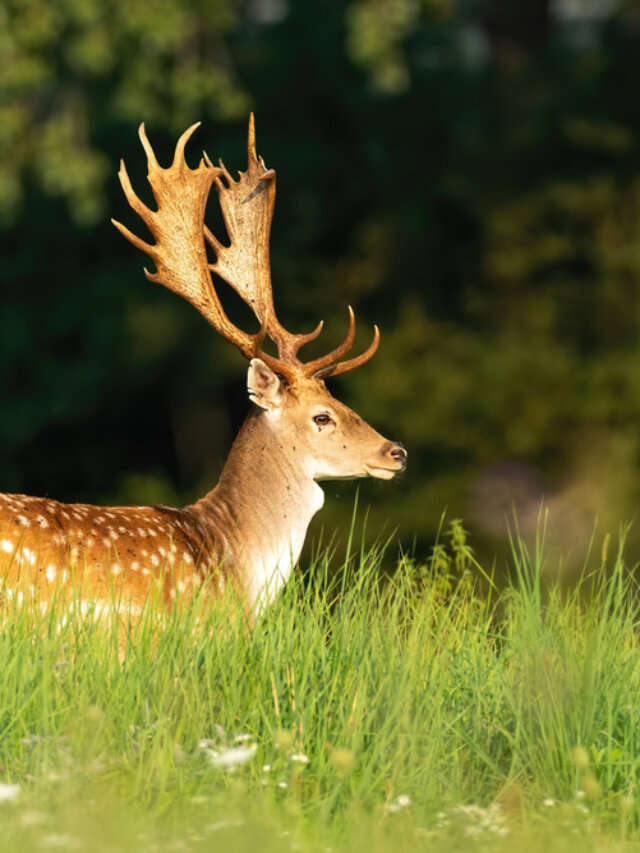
(70, 70)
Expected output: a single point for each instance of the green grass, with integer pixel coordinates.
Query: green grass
(435, 713)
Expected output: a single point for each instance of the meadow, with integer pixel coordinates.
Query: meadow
(419, 708)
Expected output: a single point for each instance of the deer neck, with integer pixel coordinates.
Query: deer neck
(260, 509)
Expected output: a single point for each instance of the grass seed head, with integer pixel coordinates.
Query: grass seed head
(580, 757)
(342, 760)
(283, 740)
(591, 787)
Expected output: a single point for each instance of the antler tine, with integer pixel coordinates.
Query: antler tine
(138, 242)
(152, 163)
(289, 344)
(139, 206)
(359, 360)
(251, 139)
(319, 364)
(130, 194)
(301, 340)
(178, 157)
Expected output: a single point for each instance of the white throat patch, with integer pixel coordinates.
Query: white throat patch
(271, 567)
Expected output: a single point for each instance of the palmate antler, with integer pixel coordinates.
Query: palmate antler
(180, 256)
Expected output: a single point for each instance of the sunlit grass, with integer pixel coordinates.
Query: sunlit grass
(365, 710)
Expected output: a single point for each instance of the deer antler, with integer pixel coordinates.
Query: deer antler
(180, 256)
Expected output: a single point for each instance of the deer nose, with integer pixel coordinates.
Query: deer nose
(398, 453)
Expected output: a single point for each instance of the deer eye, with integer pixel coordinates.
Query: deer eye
(322, 420)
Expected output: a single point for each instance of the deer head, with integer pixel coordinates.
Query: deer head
(321, 436)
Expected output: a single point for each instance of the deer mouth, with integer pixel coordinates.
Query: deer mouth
(380, 472)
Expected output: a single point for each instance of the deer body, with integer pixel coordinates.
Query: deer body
(249, 530)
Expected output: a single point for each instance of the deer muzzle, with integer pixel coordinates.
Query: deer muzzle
(392, 458)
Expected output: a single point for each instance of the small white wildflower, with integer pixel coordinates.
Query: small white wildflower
(483, 821)
(548, 802)
(266, 768)
(401, 802)
(8, 792)
(231, 758)
(242, 738)
(299, 757)
(282, 785)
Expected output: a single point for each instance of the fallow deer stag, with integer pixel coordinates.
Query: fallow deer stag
(249, 530)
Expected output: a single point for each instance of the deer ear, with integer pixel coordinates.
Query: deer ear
(263, 385)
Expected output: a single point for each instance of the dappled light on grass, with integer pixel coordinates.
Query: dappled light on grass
(364, 710)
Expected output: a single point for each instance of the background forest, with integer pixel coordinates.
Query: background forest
(466, 173)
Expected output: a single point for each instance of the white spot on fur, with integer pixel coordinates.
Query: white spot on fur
(51, 573)
(7, 546)
(155, 560)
